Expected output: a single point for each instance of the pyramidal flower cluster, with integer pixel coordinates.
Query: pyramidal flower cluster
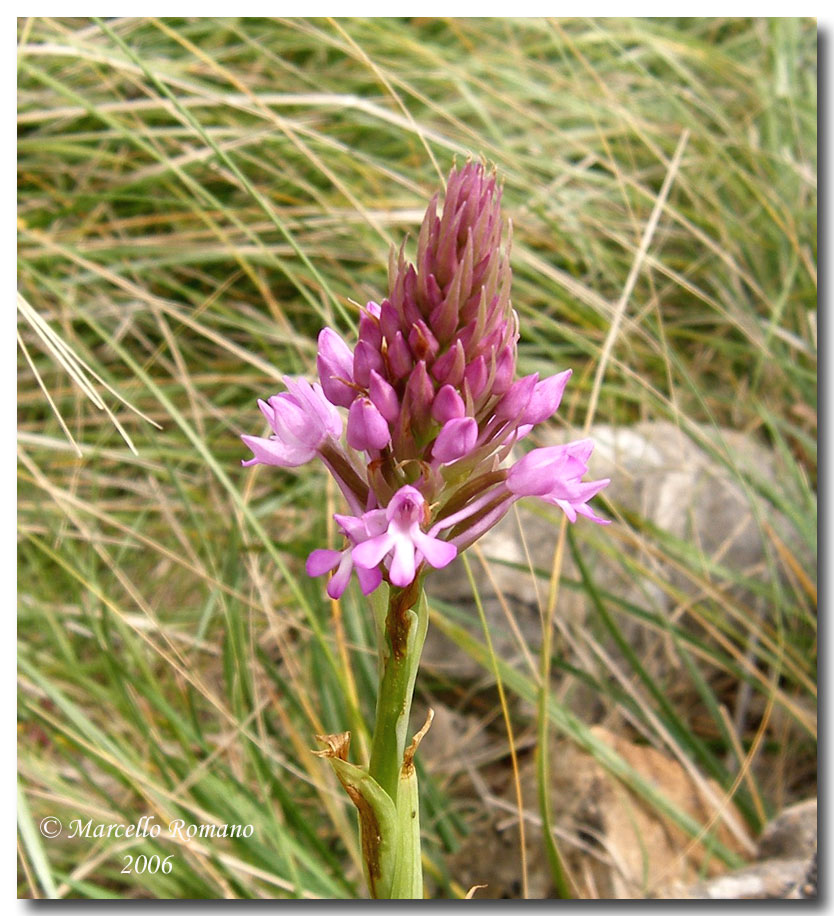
(432, 405)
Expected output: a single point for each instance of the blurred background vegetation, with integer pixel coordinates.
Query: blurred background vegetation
(197, 198)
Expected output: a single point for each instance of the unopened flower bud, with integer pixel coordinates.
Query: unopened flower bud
(504, 371)
(389, 320)
(449, 368)
(369, 329)
(418, 397)
(517, 398)
(365, 360)
(448, 405)
(335, 365)
(423, 343)
(366, 427)
(400, 360)
(475, 375)
(384, 397)
(456, 439)
(546, 398)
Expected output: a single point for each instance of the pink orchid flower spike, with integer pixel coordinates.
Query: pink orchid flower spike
(424, 408)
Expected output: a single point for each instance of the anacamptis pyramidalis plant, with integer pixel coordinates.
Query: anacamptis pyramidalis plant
(433, 411)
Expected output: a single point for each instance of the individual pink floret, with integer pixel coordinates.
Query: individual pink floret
(555, 474)
(302, 420)
(356, 530)
(405, 540)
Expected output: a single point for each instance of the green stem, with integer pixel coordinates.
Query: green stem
(405, 632)
(385, 794)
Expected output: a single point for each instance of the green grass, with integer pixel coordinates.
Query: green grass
(196, 199)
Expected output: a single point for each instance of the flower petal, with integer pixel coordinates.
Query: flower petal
(360, 528)
(321, 561)
(339, 580)
(403, 566)
(533, 475)
(267, 411)
(517, 399)
(369, 579)
(588, 512)
(271, 451)
(291, 422)
(370, 553)
(311, 398)
(567, 508)
(437, 553)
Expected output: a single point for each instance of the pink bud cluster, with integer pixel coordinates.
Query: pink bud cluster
(433, 406)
